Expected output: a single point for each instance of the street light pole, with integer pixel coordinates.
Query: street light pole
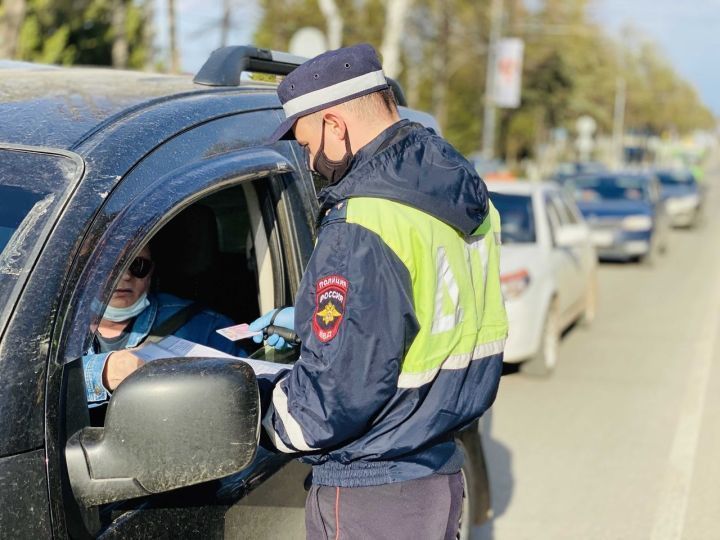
(619, 121)
(488, 139)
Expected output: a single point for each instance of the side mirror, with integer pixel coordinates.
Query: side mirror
(571, 235)
(173, 423)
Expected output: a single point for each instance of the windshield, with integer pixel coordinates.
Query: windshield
(610, 188)
(516, 218)
(33, 188)
(675, 178)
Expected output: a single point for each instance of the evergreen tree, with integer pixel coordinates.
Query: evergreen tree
(82, 32)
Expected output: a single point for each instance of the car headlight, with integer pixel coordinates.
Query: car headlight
(637, 223)
(514, 284)
(679, 204)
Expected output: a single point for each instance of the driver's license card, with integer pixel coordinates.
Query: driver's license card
(237, 332)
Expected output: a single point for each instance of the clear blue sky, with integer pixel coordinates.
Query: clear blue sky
(688, 31)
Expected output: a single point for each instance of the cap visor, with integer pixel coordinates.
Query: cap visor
(283, 131)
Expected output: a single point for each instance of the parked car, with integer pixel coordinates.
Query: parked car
(491, 170)
(571, 169)
(548, 270)
(625, 212)
(93, 163)
(682, 196)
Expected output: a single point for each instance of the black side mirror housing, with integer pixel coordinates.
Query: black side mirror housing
(173, 423)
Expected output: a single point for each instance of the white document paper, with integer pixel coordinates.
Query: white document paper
(175, 347)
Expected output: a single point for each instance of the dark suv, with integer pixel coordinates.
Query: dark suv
(94, 163)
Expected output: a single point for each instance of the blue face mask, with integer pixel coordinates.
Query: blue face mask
(116, 314)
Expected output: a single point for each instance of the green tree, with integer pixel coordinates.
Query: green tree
(81, 32)
(570, 69)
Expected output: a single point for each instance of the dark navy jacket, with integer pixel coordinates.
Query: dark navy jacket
(341, 404)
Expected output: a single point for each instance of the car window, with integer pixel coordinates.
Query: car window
(568, 215)
(605, 188)
(553, 215)
(675, 178)
(34, 186)
(16, 204)
(516, 217)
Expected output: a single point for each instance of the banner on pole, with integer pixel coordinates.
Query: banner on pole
(508, 72)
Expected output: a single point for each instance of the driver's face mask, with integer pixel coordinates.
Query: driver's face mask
(332, 170)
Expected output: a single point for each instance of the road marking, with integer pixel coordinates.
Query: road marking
(675, 488)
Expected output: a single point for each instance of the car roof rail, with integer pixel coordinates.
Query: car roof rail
(226, 65)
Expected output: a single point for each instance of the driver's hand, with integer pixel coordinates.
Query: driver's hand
(118, 366)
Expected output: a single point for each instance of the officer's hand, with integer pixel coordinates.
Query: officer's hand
(285, 318)
(118, 366)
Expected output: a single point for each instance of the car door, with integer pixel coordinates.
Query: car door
(263, 224)
(586, 249)
(35, 186)
(566, 261)
(661, 216)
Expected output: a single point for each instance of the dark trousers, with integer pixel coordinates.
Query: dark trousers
(424, 509)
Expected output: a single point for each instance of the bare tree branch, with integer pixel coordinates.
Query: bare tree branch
(10, 24)
(396, 15)
(334, 22)
(225, 22)
(120, 46)
(172, 31)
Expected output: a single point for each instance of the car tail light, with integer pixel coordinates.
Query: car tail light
(514, 283)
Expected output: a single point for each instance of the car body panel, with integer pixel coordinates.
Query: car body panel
(526, 313)
(24, 496)
(38, 99)
(556, 273)
(682, 196)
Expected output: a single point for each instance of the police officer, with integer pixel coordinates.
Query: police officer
(399, 311)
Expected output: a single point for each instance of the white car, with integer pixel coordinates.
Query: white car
(548, 270)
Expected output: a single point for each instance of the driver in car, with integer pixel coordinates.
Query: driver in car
(132, 315)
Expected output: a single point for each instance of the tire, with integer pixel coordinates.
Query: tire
(591, 297)
(544, 361)
(466, 517)
(476, 508)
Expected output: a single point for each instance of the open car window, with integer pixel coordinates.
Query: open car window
(217, 254)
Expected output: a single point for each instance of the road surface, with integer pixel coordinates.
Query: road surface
(623, 441)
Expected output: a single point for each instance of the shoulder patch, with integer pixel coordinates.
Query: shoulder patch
(330, 301)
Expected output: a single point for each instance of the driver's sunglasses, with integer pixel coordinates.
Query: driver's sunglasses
(140, 267)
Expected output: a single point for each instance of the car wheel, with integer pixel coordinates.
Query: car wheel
(588, 315)
(543, 362)
(476, 508)
(466, 518)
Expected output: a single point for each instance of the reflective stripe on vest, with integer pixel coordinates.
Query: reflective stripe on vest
(455, 280)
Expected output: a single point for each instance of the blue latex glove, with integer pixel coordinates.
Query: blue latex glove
(285, 318)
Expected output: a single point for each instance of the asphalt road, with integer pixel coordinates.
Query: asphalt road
(623, 441)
